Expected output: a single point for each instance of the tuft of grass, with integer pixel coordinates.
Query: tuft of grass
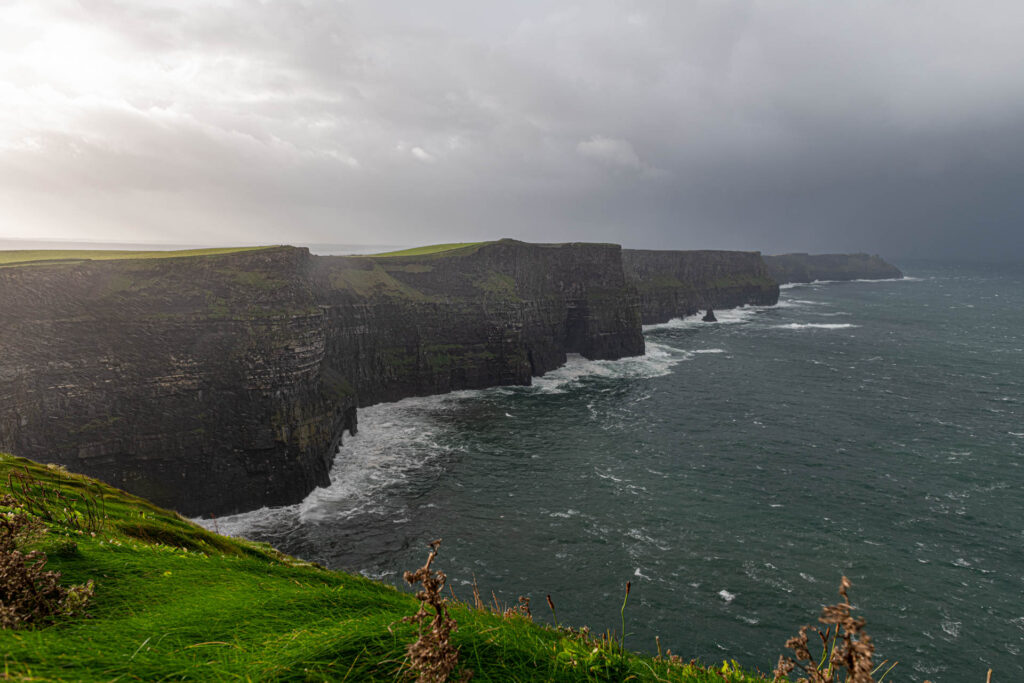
(846, 648)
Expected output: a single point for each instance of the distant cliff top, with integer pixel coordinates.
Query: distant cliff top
(20, 257)
(786, 268)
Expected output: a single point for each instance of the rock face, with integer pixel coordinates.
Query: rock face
(215, 384)
(494, 314)
(195, 382)
(788, 268)
(674, 284)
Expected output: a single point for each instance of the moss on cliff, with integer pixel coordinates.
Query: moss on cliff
(175, 601)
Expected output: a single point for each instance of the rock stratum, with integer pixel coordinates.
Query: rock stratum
(791, 268)
(675, 284)
(220, 383)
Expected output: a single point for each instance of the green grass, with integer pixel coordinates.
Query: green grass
(430, 249)
(176, 602)
(29, 256)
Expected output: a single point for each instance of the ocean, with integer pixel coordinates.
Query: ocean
(733, 474)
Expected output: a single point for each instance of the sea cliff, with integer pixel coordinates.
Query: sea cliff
(674, 284)
(197, 382)
(214, 384)
(221, 382)
(788, 268)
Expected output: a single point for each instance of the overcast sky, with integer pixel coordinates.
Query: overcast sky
(884, 126)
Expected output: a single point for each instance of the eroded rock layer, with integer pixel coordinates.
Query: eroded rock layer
(674, 284)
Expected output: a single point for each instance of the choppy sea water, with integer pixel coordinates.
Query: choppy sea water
(733, 474)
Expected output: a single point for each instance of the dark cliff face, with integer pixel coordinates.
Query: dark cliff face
(493, 314)
(194, 382)
(216, 384)
(674, 284)
(788, 268)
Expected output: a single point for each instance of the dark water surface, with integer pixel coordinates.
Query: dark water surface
(734, 474)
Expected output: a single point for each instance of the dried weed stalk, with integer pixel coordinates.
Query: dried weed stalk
(432, 656)
(520, 609)
(28, 593)
(84, 511)
(845, 656)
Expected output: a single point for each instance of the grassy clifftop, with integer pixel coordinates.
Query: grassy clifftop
(174, 601)
(429, 249)
(19, 257)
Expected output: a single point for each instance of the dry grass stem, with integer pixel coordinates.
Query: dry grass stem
(846, 648)
(28, 593)
(432, 656)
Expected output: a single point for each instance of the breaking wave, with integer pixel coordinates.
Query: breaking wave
(817, 326)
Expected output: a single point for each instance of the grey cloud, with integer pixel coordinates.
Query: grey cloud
(879, 126)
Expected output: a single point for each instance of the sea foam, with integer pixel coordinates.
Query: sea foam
(816, 326)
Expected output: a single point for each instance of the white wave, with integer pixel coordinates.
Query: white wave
(637, 573)
(248, 524)
(818, 326)
(394, 441)
(951, 627)
(905, 278)
(726, 595)
(656, 361)
(799, 303)
(709, 350)
(605, 475)
(639, 535)
(725, 316)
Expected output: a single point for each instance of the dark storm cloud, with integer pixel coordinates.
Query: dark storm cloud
(894, 127)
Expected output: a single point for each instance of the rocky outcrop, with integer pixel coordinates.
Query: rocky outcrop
(675, 284)
(214, 384)
(788, 268)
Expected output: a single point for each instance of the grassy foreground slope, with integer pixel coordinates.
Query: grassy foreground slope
(174, 601)
(28, 256)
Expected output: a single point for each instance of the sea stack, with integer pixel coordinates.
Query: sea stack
(709, 317)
